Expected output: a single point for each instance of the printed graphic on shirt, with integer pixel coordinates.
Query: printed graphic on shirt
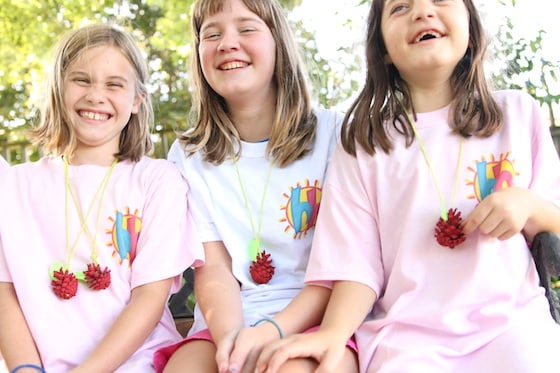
(302, 207)
(124, 234)
(491, 175)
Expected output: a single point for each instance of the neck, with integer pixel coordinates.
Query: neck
(253, 118)
(430, 94)
(90, 158)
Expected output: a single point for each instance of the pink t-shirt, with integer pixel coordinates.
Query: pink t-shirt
(143, 235)
(476, 308)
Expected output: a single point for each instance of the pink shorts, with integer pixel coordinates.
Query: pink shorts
(163, 355)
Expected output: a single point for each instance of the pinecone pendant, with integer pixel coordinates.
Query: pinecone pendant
(261, 269)
(64, 283)
(96, 278)
(449, 232)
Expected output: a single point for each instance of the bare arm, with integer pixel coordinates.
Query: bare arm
(135, 323)
(218, 296)
(16, 343)
(349, 304)
(303, 312)
(217, 292)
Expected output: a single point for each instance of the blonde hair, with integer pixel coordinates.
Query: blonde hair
(294, 126)
(54, 131)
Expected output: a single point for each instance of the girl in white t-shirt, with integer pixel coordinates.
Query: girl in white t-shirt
(94, 236)
(255, 159)
(429, 206)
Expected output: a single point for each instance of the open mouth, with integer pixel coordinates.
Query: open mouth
(233, 65)
(427, 35)
(93, 116)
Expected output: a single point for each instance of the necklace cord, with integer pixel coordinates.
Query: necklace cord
(101, 189)
(256, 233)
(443, 207)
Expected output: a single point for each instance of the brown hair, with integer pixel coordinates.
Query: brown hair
(386, 97)
(54, 131)
(294, 124)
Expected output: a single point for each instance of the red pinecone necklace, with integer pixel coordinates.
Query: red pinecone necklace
(448, 231)
(261, 269)
(64, 282)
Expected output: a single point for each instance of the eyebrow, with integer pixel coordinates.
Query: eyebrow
(238, 20)
(111, 77)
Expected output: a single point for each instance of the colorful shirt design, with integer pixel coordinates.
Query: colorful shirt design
(288, 219)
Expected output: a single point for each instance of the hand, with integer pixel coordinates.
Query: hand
(326, 349)
(223, 350)
(502, 214)
(246, 347)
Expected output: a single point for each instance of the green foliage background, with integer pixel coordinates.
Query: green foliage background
(29, 29)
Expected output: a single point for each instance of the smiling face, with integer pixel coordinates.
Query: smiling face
(425, 36)
(237, 53)
(100, 96)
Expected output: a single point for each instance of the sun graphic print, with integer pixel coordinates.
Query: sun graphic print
(124, 234)
(301, 208)
(492, 175)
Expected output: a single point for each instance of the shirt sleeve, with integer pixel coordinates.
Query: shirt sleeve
(346, 240)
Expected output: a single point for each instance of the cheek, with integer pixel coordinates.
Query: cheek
(206, 61)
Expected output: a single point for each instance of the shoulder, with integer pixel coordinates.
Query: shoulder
(155, 168)
(328, 120)
(327, 116)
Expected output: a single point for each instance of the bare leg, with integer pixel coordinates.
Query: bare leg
(196, 356)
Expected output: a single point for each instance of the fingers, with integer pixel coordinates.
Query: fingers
(499, 215)
(274, 355)
(223, 352)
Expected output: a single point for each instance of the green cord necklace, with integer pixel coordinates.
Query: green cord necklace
(261, 269)
(64, 282)
(448, 231)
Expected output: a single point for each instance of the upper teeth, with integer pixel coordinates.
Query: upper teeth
(432, 33)
(94, 116)
(232, 65)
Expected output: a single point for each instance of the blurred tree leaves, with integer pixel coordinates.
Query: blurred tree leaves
(30, 28)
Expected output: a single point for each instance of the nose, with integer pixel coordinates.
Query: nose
(95, 94)
(229, 41)
(423, 9)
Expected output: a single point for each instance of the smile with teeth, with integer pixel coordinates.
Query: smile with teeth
(426, 35)
(93, 116)
(233, 65)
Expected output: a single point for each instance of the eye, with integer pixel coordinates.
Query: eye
(114, 85)
(212, 36)
(398, 8)
(247, 30)
(81, 80)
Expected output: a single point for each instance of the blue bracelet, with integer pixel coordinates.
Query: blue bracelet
(273, 323)
(37, 367)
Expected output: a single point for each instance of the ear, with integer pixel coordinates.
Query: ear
(137, 102)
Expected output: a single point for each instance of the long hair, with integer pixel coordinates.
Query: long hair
(294, 127)
(54, 131)
(385, 97)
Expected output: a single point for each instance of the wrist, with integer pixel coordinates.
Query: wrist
(28, 368)
(270, 323)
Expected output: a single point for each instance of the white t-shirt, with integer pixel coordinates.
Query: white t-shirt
(292, 201)
(476, 308)
(143, 235)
